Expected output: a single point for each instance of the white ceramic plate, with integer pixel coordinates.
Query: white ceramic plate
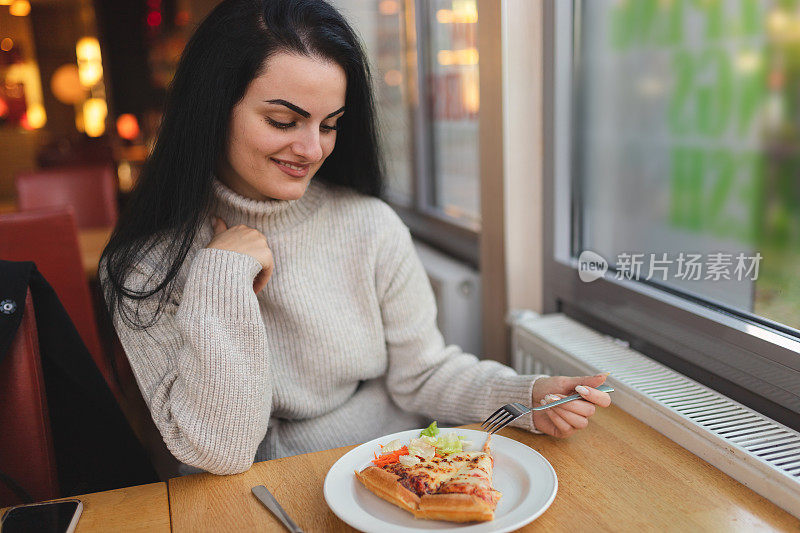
(525, 478)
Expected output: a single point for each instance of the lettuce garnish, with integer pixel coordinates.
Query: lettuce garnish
(444, 444)
(430, 431)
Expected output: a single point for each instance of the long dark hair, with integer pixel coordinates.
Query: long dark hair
(174, 192)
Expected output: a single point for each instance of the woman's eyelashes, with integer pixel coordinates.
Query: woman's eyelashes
(287, 125)
(280, 125)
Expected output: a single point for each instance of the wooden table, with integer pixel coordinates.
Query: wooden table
(618, 475)
(91, 242)
(142, 508)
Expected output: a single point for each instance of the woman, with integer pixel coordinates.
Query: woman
(270, 304)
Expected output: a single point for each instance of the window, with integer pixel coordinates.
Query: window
(424, 60)
(451, 83)
(672, 166)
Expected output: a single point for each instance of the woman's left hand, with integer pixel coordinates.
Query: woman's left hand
(569, 417)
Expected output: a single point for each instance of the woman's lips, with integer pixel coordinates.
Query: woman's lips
(299, 171)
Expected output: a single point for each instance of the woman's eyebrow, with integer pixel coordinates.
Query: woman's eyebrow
(299, 110)
(340, 110)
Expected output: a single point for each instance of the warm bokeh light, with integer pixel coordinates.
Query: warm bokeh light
(66, 85)
(94, 117)
(88, 49)
(3, 108)
(128, 126)
(23, 79)
(5, 2)
(747, 61)
(783, 27)
(448, 16)
(90, 64)
(388, 7)
(90, 73)
(444, 16)
(778, 21)
(125, 176)
(463, 12)
(466, 56)
(465, 8)
(20, 8)
(393, 78)
(36, 116)
(6, 44)
(470, 92)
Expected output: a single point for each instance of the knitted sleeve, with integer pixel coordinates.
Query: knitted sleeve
(203, 367)
(425, 376)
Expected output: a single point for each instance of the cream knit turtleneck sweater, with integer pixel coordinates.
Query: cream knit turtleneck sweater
(339, 348)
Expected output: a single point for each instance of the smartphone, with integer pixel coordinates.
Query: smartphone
(56, 517)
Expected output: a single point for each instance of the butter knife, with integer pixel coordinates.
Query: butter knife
(272, 504)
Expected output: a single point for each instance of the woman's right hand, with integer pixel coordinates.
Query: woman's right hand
(245, 240)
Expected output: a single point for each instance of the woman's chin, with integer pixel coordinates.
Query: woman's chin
(288, 191)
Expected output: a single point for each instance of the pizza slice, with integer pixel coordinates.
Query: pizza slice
(454, 486)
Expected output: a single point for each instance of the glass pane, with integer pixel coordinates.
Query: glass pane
(687, 147)
(452, 83)
(381, 25)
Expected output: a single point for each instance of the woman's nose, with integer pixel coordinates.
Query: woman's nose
(308, 145)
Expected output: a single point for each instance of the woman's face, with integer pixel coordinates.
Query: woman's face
(283, 129)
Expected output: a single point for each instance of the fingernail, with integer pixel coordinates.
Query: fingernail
(543, 402)
(580, 389)
(551, 398)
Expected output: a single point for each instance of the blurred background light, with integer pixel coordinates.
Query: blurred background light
(125, 174)
(66, 85)
(90, 64)
(88, 49)
(388, 7)
(128, 126)
(466, 56)
(466, 14)
(94, 116)
(154, 18)
(393, 78)
(747, 61)
(36, 116)
(20, 8)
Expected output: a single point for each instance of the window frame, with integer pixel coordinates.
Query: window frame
(427, 223)
(717, 346)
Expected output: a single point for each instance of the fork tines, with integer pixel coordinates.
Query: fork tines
(504, 416)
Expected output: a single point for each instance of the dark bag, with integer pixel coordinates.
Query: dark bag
(95, 446)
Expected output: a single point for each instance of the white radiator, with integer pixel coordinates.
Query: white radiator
(457, 289)
(753, 449)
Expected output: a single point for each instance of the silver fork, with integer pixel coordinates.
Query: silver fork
(511, 411)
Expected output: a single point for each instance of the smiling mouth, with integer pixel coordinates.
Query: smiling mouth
(290, 165)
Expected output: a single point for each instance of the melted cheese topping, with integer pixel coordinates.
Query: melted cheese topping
(462, 472)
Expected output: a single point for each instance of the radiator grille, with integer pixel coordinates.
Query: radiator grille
(556, 344)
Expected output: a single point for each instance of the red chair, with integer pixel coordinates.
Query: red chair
(27, 454)
(91, 190)
(49, 238)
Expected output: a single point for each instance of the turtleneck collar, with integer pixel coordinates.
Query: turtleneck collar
(275, 215)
